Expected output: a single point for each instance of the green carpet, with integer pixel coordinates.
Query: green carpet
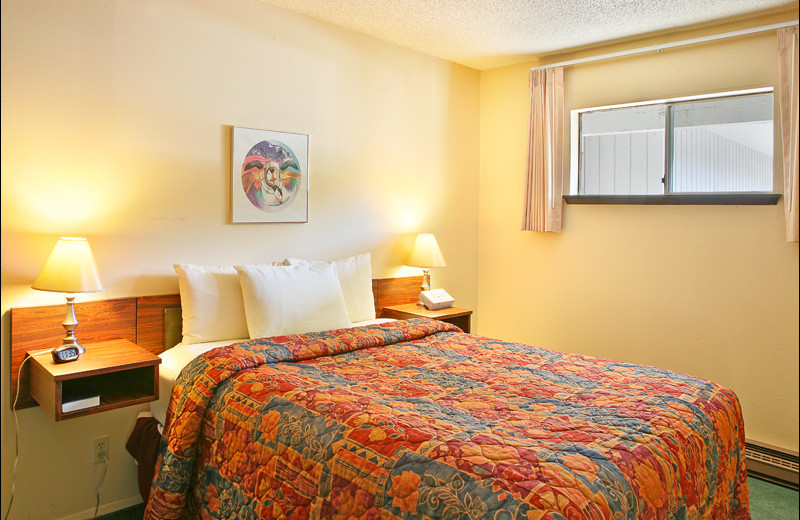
(772, 502)
(131, 513)
(767, 502)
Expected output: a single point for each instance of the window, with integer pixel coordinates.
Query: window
(719, 143)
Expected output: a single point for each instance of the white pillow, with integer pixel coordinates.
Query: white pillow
(355, 277)
(211, 303)
(291, 299)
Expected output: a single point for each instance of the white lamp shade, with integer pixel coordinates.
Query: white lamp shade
(70, 269)
(425, 252)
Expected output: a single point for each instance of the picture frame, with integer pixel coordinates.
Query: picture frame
(269, 176)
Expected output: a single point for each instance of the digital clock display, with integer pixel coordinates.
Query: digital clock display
(65, 353)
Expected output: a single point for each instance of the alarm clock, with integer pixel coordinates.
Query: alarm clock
(65, 353)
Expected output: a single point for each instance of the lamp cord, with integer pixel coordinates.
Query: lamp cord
(100, 487)
(16, 438)
(16, 447)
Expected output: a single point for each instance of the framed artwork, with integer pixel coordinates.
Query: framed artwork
(269, 176)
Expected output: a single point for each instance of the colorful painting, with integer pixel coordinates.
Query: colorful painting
(269, 176)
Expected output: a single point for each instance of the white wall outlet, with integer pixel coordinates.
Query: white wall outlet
(101, 450)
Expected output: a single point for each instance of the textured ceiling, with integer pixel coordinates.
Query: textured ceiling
(490, 33)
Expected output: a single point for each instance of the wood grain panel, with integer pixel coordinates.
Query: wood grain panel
(395, 291)
(150, 320)
(48, 393)
(39, 328)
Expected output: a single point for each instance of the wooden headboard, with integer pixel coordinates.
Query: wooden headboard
(138, 319)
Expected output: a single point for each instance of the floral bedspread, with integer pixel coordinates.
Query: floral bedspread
(415, 419)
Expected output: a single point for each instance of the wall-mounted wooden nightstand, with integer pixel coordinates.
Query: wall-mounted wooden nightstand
(119, 371)
(458, 317)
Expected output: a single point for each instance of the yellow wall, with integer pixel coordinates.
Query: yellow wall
(711, 291)
(116, 124)
(116, 121)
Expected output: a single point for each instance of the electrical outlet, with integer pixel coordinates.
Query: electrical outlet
(101, 450)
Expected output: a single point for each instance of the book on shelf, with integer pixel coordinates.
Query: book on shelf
(80, 402)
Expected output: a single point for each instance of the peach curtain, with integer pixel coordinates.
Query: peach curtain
(788, 90)
(543, 179)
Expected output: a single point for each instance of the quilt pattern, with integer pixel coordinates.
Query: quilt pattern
(417, 420)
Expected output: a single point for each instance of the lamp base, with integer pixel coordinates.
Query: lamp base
(426, 283)
(426, 279)
(70, 322)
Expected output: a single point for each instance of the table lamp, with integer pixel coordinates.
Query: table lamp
(426, 254)
(70, 269)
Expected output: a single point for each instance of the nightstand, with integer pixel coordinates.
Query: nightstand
(120, 372)
(458, 317)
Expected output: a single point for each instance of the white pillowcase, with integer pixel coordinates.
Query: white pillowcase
(291, 299)
(355, 277)
(211, 303)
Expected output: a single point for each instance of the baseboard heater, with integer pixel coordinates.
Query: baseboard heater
(772, 463)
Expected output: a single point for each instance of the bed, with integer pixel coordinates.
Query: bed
(408, 419)
(416, 419)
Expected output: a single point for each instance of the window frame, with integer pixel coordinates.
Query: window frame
(668, 197)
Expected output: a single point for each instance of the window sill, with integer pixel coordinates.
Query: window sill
(699, 199)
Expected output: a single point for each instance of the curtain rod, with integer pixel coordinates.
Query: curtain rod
(691, 41)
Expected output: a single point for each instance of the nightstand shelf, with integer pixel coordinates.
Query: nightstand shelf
(119, 371)
(461, 318)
